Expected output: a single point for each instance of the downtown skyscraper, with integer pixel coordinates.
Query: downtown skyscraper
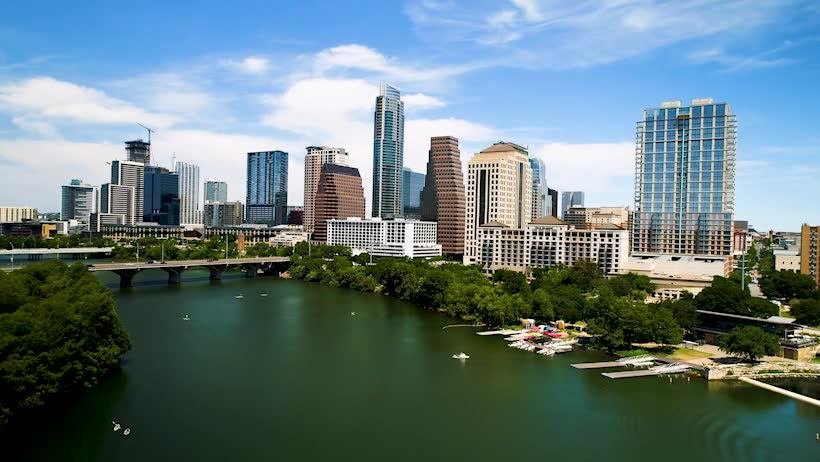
(79, 201)
(267, 188)
(540, 204)
(189, 211)
(412, 184)
(315, 158)
(685, 179)
(442, 199)
(570, 199)
(388, 153)
(216, 191)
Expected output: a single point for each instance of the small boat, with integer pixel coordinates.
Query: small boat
(239, 296)
(353, 313)
(461, 355)
(186, 318)
(127, 432)
(263, 294)
(116, 426)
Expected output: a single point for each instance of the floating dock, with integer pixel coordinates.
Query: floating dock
(600, 365)
(630, 374)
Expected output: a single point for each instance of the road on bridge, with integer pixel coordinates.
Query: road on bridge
(184, 263)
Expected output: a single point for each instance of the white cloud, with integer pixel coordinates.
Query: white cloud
(530, 9)
(38, 127)
(169, 93)
(732, 63)
(248, 65)
(44, 99)
(420, 101)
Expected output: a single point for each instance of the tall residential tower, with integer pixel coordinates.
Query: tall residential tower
(79, 201)
(388, 153)
(267, 193)
(442, 199)
(189, 211)
(216, 191)
(315, 158)
(539, 188)
(685, 179)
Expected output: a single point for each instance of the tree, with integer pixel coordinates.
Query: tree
(626, 284)
(749, 342)
(786, 285)
(684, 311)
(513, 282)
(722, 296)
(807, 312)
(584, 274)
(758, 307)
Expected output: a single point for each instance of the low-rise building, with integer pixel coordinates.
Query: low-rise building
(120, 232)
(385, 238)
(675, 274)
(596, 217)
(787, 260)
(548, 242)
(17, 214)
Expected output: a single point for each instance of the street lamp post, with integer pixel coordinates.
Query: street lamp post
(12, 255)
(162, 246)
(226, 247)
(138, 250)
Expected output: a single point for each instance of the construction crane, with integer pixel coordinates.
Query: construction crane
(149, 130)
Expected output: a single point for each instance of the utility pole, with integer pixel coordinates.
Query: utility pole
(12, 255)
(162, 246)
(138, 250)
(226, 247)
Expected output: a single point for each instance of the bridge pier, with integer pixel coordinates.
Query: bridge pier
(126, 277)
(250, 269)
(216, 272)
(174, 275)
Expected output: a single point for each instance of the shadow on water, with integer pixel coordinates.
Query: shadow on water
(66, 424)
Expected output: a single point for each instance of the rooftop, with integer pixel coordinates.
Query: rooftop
(547, 220)
(504, 146)
(772, 319)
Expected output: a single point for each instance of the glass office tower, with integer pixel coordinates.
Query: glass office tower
(162, 203)
(388, 153)
(685, 179)
(412, 184)
(267, 194)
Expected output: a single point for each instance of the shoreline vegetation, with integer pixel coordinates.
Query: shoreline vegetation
(60, 332)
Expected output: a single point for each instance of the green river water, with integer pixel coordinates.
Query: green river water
(294, 376)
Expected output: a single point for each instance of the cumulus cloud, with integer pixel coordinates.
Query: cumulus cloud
(248, 65)
(420, 101)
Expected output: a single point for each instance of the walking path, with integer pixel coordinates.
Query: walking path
(783, 392)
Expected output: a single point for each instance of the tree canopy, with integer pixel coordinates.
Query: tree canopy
(807, 312)
(749, 342)
(59, 332)
(786, 285)
(726, 296)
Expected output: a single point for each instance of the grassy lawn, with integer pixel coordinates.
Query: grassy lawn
(816, 360)
(685, 354)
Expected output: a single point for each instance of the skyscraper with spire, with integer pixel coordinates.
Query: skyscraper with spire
(388, 153)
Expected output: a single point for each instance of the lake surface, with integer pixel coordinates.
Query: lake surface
(294, 376)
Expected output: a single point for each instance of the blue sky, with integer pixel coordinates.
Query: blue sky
(567, 79)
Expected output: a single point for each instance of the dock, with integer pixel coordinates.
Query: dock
(630, 374)
(600, 365)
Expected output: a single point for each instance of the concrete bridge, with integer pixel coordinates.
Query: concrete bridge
(76, 252)
(251, 267)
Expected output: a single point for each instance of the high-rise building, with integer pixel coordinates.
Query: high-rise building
(218, 214)
(216, 191)
(539, 188)
(810, 252)
(162, 204)
(79, 201)
(499, 190)
(267, 194)
(189, 211)
(138, 151)
(129, 174)
(17, 214)
(442, 199)
(118, 200)
(316, 157)
(570, 199)
(552, 199)
(388, 153)
(412, 184)
(339, 195)
(685, 179)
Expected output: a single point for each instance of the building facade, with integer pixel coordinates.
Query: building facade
(385, 238)
(118, 200)
(442, 199)
(412, 184)
(597, 217)
(267, 189)
(388, 153)
(217, 214)
(339, 195)
(161, 204)
(138, 151)
(570, 199)
(548, 242)
(499, 190)
(539, 188)
(552, 197)
(685, 179)
(79, 201)
(810, 252)
(216, 191)
(17, 214)
(189, 211)
(129, 174)
(99, 220)
(314, 159)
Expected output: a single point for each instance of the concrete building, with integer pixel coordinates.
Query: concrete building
(787, 260)
(128, 174)
(267, 188)
(675, 274)
(552, 199)
(219, 214)
(189, 211)
(596, 217)
(412, 184)
(810, 251)
(161, 203)
(79, 201)
(138, 151)
(442, 199)
(100, 220)
(216, 191)
(314, 159)
(499, 189)
(740, 237)
(388, 153)
(118, 200)
(385, 238)
(296, 215)
(685, 179)
(570, 199)
(546, 242)
(289, 236)
(539, 204)
(339, 195)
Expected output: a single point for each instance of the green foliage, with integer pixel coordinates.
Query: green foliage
(684, 311)
(765, 260)
(627, 284)
(513, 282)
(786, 285)
(60, 333)
(60, 241)
(806, 311)
(749, 342)
(725, 296)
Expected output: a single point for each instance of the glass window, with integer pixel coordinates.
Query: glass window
(719, 145)
(720, 109)
(707, 145)
(696, 111)
(708, 111)
(660, 136)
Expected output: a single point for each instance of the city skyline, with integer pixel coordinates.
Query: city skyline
(213, 100)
